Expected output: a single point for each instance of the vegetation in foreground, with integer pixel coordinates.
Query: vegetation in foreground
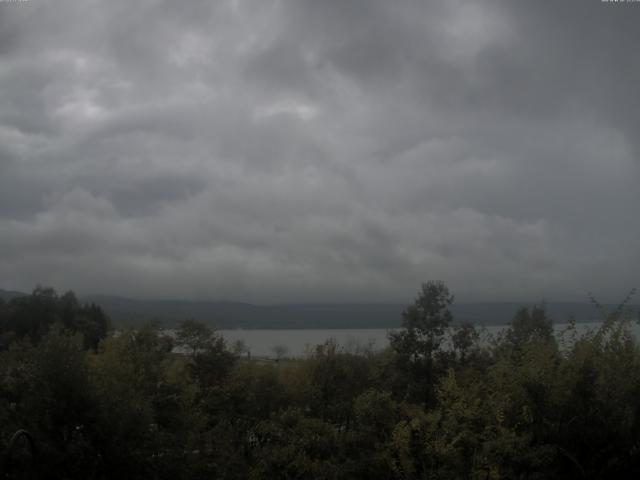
(439, 403)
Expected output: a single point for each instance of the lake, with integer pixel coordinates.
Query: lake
(261, 343)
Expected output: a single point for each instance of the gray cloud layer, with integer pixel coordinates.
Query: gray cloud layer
(292, 150)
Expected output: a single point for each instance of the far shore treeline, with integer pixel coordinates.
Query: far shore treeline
(225, 315)
(80, 402)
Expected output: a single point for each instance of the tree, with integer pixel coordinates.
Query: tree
(464, 338)
(529, 324)
(424, 327)
(142, 408)
(194, 336)
(93, 324)
(33, 316)
(279, 351)
(335, 378)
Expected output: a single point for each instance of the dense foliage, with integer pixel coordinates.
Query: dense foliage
(442, 402)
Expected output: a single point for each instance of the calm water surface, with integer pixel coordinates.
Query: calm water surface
(295, 343)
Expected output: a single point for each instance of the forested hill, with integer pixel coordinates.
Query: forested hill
(9, 294)
(226, 315)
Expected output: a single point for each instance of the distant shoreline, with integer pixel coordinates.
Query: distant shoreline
(222, 315)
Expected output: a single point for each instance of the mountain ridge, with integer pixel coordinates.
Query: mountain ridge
(128, 312)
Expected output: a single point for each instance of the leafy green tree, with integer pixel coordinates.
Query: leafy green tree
(336, 378)
(93, 324)
(464, 340)
(48, 393)
(194, 336)
(211, 366)
(146, 411)
(32, 316)
(529, 324)
(418, 344)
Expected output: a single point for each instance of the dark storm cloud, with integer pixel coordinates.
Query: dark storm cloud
(320, 150)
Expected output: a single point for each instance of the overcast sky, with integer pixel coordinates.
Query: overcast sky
(320, 150)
